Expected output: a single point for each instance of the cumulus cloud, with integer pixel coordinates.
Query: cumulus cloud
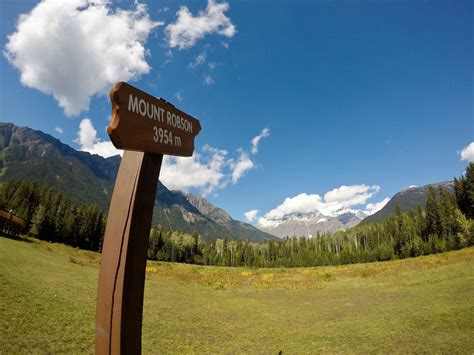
(241, 166)
(251, 215)
(351, 195)
(89, 142)
(334, 202)
(244, 163)
(188, 29)
(209, 170)
(467, 153)
(256, 140)
(302, 203)
(59, 130)
(205, 172)
(371, 208)
(76, 49)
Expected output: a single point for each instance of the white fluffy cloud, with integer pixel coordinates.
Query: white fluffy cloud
(256, 140)
(205, 172)
(333, 203)
(467, 153)
(59, 130)
(88, 141)
(371, 208)
(188, 29)
(241, 166)
(210, 170)
(251, 215)
(351, 195)
(76, 49)
(302, 203)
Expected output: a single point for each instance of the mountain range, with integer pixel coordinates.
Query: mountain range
(30, 154)
(87, 178)
(312, 223)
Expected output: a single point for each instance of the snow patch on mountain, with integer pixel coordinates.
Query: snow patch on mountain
(309, 214)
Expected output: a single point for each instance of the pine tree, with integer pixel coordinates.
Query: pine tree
(469, 186)
(195, 243)
(153, 244)
(464, 190)
(38, 222)
(461, 229)
(432, 221)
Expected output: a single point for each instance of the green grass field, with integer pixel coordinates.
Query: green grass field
(48, 291)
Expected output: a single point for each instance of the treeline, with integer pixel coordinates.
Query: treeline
(438, 228)
(441, 226)
(446, 223)
(51, 216)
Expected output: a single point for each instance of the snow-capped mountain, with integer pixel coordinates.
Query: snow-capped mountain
(309, 224)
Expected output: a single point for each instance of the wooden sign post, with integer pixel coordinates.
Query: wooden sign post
(146, 128)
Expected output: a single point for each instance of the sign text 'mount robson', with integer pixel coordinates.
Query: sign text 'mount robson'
(144, 123)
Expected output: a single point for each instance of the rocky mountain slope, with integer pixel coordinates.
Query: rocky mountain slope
(30, 154)
(408, 199)
(310, 224)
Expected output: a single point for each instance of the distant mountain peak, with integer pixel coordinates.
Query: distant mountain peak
(208, 209)
(408, 199)
(310, 223)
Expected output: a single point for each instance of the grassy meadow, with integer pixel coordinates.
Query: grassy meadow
(426, 304)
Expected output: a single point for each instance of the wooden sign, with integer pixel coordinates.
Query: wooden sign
(144, 123)
(146, 128)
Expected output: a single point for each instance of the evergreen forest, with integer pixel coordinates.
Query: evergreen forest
(445, 223)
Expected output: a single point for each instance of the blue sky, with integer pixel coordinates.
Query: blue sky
(373, 96)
